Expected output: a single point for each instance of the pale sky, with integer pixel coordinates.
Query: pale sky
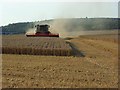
(12, 12)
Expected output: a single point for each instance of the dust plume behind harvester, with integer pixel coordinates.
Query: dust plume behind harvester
(42, 31)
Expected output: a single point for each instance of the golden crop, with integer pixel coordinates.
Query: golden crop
(35, 46)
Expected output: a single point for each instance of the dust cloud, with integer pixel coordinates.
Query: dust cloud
(59, 26)
(69, 28)
(65, 28)
(31, 31)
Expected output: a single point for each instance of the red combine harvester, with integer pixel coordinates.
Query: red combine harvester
(42, 31)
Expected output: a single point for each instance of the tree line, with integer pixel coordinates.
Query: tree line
(72, 24)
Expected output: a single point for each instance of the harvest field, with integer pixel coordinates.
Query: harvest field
(97, 68)
(35, 46)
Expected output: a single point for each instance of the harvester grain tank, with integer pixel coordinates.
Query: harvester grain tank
(42, 31)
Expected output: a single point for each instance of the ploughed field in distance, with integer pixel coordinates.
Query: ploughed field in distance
(97, 69)
(35, 45)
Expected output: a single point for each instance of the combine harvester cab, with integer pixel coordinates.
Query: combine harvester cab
(42, 31)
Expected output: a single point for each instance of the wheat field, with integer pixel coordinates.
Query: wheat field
(97, 69)
(35, 46)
